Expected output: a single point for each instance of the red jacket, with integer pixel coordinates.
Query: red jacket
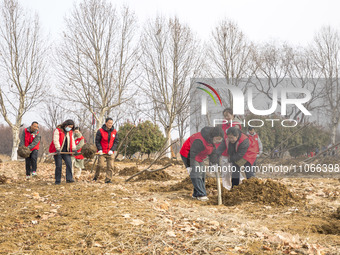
(251, 153)
(104, 142)
(52, 148)
(203, 154)
(225, 127)
(77, 141)
(255, 139)
(29, 137)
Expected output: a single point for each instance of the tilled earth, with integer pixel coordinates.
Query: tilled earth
(160, 217)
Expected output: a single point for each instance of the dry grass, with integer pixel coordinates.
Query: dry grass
(38, 217)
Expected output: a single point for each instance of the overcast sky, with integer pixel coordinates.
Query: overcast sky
(261, 20)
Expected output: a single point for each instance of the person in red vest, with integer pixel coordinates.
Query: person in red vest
(63, 142)
(107, 143)
(30, 138)
(257, 141)
(78, 160)
(229, 116)
(194, 150)
(242, 153)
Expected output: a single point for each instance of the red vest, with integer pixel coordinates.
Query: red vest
(203, 154)
(225, 127)
(77, 141)
(105, 140)
(255, 139)
(52, 148)
(29, 137)
(251, 153)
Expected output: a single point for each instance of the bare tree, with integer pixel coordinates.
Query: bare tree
(22, 65)
(229, 54)
(98, 56)
(270, 67)
(303, 73)
(170, 58)
(53, 114)
(326, 54)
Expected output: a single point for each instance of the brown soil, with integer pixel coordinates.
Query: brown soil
(24, 152)
(85, 217)
(163, 161)
(89, 150)
(185, 184)
(155, 176)
(128, 171)
(259, 191)
(3, 179)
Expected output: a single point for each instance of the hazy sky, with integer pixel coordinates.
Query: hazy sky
(261, 20)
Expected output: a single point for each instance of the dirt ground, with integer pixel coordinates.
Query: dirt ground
(160, 217)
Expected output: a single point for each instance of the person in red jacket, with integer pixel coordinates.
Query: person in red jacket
(30, 138)
(194, 150)
(78, 160)
(242, 153)
(63, 142)
(106, 143)
(257, 141)
(229, 116)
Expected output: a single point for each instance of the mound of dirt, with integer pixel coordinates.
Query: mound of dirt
(128, 171)
(24, 152)
(155, 176)
(337, 214)
(330, 228)
(163, 161)
(89, 150)
(259, 191)
(185, 184)
(3, 179)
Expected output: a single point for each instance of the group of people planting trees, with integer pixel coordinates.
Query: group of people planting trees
(225, 145)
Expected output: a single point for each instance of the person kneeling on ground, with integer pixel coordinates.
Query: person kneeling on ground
(242, 153)
(194, 150)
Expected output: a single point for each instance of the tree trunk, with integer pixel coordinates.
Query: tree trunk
(16, 140)
(168, 137)
(335, 123)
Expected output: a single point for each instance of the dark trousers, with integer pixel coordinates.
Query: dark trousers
(197, 176)
(235, 177)
(31, 162)
(58, 164)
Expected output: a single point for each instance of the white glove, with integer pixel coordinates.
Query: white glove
(110, 152)
(100, 152)
(189, 169)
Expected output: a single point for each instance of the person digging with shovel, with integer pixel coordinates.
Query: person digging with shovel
(63, 145)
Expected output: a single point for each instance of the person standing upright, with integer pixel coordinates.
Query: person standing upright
(63, 145)
(30, 138)
(106, 143)
(78, 160)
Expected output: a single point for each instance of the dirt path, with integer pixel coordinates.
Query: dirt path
(38, 217)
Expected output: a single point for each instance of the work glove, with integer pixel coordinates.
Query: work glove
(58, 152)
(100, 152)
(76, 153)
(110, 153)
(214, 159)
